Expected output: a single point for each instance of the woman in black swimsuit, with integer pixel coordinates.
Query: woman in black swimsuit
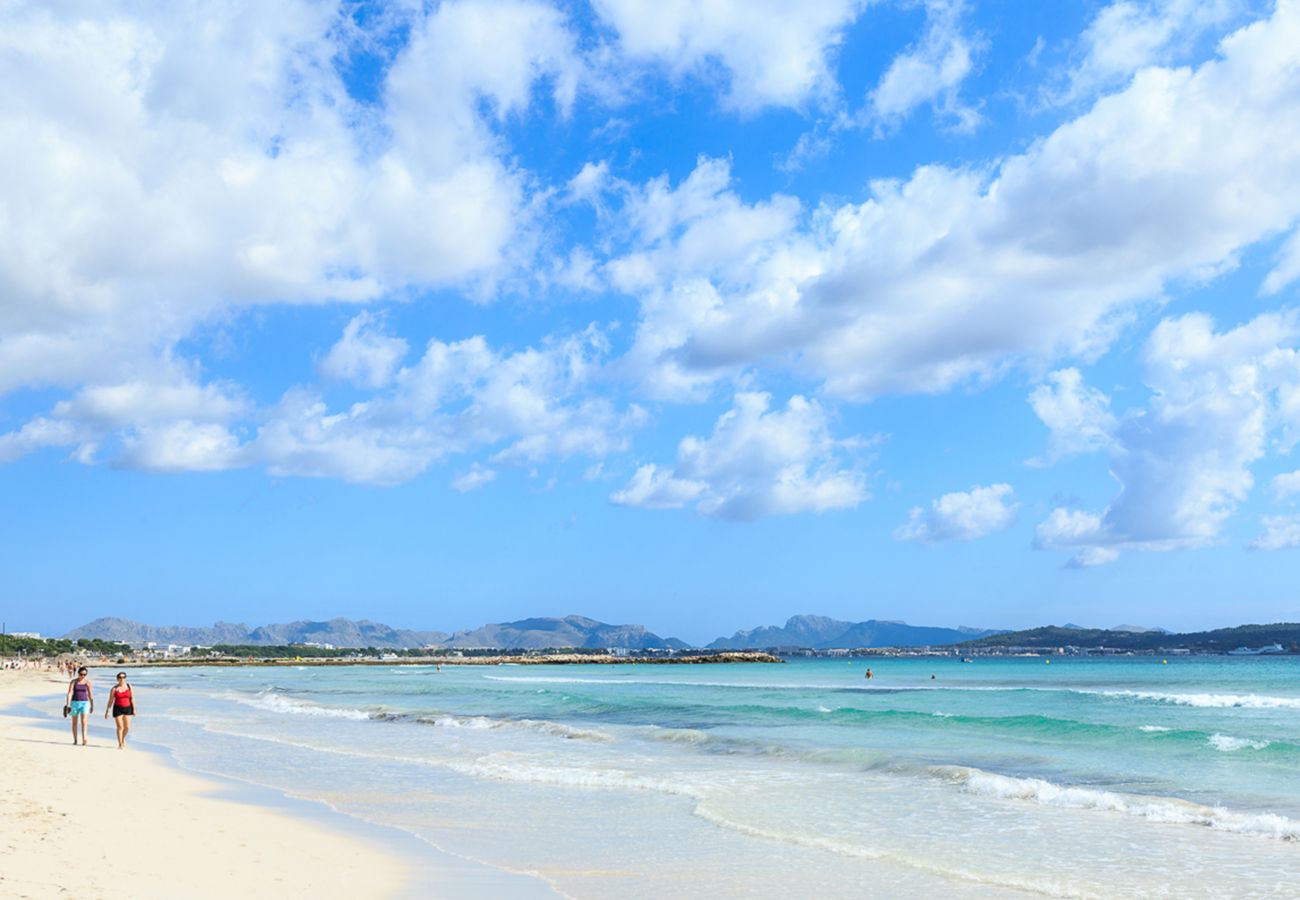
(121, 700)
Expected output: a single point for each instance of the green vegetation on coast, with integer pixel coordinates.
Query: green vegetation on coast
(296, 655)
(1220, 640)
(49, 647)
(306, 651)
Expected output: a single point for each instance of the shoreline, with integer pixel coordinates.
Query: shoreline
(140, 823)
(559, 659)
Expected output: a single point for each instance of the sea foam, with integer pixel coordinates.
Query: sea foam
(1165, 810)
(1227, 743)
(269, 700)
(1209, 701)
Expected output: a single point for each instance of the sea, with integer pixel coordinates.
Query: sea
(1006, 777)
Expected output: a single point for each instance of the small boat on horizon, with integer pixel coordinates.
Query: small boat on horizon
(1260, 651)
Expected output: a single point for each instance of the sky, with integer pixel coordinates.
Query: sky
(691, 314)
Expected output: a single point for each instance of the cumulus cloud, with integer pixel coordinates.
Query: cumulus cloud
(1280, 533)
(953, 275)
(525, 407)
(1287, 269)
(1286, 485)
(478, 476)
(162, 418)
(177, 163)
(961, 516)
(364, 355)
(458, 398)
(1184, 460)
(181, 446)
(757, 462)
(37, 434)
(1128, 35)
(930, 72)
(1078, 416)
(689, 246)
(771, 53)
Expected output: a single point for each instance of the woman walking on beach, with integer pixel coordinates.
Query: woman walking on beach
(121, 699)
(80, 703)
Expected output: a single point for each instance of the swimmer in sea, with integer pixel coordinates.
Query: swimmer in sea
(869, 674)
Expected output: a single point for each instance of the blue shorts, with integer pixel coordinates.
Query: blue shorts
(79, 708)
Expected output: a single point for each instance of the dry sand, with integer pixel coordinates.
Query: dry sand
(96, 822)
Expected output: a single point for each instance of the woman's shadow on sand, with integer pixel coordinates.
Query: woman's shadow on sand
(59, 743)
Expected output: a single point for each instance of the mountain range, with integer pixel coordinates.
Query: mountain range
(526, 634)
(571, 631)
(339, 632)
(820, 632)
(817, 632)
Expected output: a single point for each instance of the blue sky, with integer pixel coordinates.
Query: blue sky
(691, 314)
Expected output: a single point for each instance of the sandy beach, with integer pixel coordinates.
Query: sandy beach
(91, 822)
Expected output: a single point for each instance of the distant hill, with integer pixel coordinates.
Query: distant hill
(1220, 640)
(526, 634)
(339, 632)
(820, 632)
(570, 631)
(125, 631)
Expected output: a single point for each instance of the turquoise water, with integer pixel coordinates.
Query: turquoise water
(1083, 777)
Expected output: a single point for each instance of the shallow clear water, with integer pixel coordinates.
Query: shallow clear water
(1090, 777)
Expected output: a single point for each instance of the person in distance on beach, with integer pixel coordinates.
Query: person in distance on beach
(80, 702)
(121, 699)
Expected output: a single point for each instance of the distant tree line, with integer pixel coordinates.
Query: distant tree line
(290, 651)
(27, 646)
(1220, 640)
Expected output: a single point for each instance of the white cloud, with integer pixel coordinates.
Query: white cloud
(773, 53)
(1067, 529)
(459, 398)
(1286, 485)
(930, 72)
(158, 395)
(38, 434)
(1128, 35)
(1184, 461)
(758, 462)
(961, 516)
(699, 228)
(654, 488)
(177, 163)
(1287, 269)
(1077, 531)
(689, 248)
(954, 275)
(478, 476)
(1280, 533)
(1078, 416)
(303, 438)
(364, 355)
(463, 397)
(181, 446)
(160, 419)
(1093, 556)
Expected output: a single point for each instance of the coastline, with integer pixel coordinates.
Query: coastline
(557, 659)
(95, 822)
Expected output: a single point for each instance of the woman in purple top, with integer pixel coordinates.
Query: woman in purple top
(80, 702)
